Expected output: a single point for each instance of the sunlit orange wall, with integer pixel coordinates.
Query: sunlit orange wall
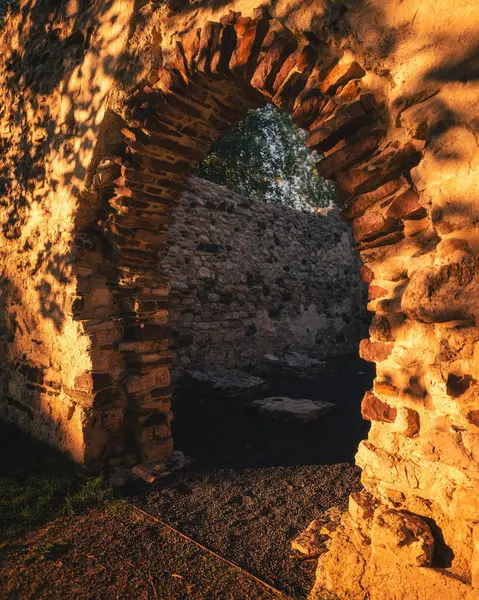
(58, 64)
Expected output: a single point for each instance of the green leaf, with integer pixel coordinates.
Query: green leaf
(265, 156)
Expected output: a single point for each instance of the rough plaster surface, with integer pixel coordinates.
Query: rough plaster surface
(105, 111)
(250, 278)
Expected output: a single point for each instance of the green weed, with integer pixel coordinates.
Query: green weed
(38, 483)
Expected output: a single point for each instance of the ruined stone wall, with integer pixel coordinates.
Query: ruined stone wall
(250, 278)
(98, 136)
(58, 64)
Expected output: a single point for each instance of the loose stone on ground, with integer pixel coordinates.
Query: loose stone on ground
(216, 381)
(300, 410)
(308, 541)
(314, 540)
(152, 471)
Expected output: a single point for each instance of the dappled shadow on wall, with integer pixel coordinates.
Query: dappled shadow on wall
(56, 69)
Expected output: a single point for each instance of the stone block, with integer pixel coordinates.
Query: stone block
(146, 382)
(367, 274)
(293, 365)
(345, 122)
(376, 291)
(308, 541)
(381, 328)
(357, 204)
(373, 224)
(341, 74)
(282, 408)
(407, 422)
(401, 537)
(250, 37)
(374, 351)
(374, 409)
(406, 206)
(431, 295)
(271, 62)
(354, 152)
(216, 381)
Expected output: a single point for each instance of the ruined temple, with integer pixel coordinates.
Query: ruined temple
(107, 108)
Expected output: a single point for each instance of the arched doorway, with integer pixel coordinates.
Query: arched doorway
(209, 78)
(400, 155)
(213, 77)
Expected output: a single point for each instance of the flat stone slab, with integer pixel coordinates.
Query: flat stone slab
(282, 408)
(217, 381)
(293, 365)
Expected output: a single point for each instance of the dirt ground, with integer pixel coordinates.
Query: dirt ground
(110, 555)
(253, 485)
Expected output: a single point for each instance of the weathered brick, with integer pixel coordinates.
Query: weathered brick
(355, 151)
(366, 273)
(373, 225)
(374, 409)
(271, 62)
(359, 203)
(376, 291)
(340, 75)
(407, 206)
(374, 351)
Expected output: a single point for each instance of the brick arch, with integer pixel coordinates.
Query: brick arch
(207, 79)
(214, 75)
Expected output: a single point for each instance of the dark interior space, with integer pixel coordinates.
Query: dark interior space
(219, 433)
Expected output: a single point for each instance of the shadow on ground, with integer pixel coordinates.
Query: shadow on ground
(38, 483)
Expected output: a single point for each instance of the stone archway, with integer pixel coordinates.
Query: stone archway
(181, 76)
(163, 129)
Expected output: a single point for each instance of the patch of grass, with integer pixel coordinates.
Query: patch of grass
(38, 483)
(92, 492)
(117, 507)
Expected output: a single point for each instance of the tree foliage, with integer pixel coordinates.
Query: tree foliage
(265, 155)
